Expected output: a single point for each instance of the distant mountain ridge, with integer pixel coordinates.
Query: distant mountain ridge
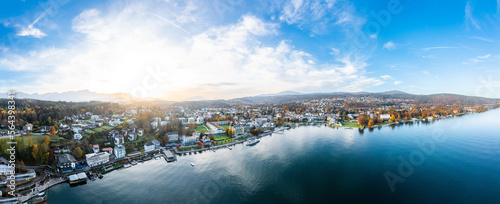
(74, 96)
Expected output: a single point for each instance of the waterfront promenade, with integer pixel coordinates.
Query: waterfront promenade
(39, 188)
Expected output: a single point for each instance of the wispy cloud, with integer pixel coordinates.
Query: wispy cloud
(320, 17)
(386, 77)
(389, 45)
(435, 48)
(30, 30)
(469, 18)
(482, 38)
(398, 82)
(477, 59)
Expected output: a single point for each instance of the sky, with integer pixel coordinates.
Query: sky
(178, 49)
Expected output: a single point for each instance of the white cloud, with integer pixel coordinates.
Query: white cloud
(30, 30)
(398, 82)
(389, 45)
(386, 77)
(115, 50)
(482, 38)
(477, 59)
(434, 48)
(425, 72)
(469, 18)
(319, 17)
(484, 57)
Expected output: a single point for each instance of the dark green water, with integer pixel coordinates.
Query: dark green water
(460, 164)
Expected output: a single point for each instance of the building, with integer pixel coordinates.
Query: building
(77, 136)
(156, 143)
(95, 148)
(28, 127)
(109, 150)
(149, 146)
(189, 140)
(6, 169)
(385, 117)
(199, 120)
(237, 129)
(173, 136)
(214, 127)
(97, 159)
(132, 136)
(140, 132)
(120, 151)
(66, 163)
(119, 140)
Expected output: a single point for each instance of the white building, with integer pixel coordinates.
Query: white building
(77, 136)
(132, 136)
(119, 140)
(149, 146)
(200, 120)
(120, 151)
(189, 140)
(97, 159)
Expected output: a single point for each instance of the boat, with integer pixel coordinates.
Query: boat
(127, 165)
(41, 194)
(100, 175)
(230, 148)
(253, 142)
(192, 164)
(134, 163)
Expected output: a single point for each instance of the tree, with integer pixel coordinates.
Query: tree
(78, 153)
(52, 130)
(34, 151)
(370, 123)
(45, 158)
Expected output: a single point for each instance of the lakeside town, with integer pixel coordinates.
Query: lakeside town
(89, 139)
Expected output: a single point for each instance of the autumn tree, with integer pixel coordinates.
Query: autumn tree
(34, 151)
(52, 130)
(78, 153)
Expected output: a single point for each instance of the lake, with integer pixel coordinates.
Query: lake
(455, 160)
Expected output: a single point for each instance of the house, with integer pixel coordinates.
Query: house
(97, 159)
(45, 129)
(95, 148)
(65, 150)
(237, 129)
(173, 136)
(77, 137)
(119, 140)
(6, 169)
(28, 127)
(385, 117)
(140, 132)
(205, 139)
(149, 146)
(108, 150)
(199, 120)
(66, 163)
(132, 136)
(189, 140)
(120, 151)
(156, 143)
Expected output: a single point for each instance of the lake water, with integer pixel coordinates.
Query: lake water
(454, 160)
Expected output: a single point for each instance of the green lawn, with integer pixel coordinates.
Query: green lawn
(224, 126)
(89, 131)
(201, 128)
(349, 124)
(221, 137)
(103, 128)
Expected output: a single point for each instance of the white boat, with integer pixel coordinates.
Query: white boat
(253, 142)
(41, 194)
(127, 165)
(192, 164)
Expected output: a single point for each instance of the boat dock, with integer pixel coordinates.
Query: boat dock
(169, 156)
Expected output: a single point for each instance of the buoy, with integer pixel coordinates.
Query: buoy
(177, 184)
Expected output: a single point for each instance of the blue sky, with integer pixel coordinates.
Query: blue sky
(231, 48)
